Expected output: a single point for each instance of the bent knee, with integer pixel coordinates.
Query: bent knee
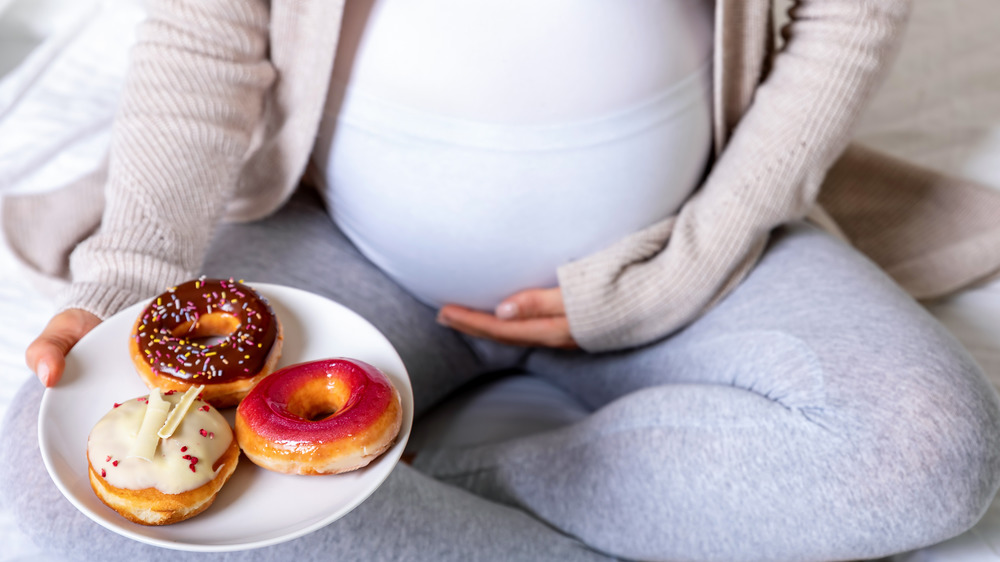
(939, 458)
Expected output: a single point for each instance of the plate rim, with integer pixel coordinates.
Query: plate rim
(392, 456)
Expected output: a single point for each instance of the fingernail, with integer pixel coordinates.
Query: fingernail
(506, 311)
(43, 372)
(442, 320)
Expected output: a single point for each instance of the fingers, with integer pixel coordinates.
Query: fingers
(536, 317)
(46, 356)
(552, 331)
(533, 303)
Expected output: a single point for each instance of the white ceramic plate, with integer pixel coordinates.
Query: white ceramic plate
(256, 507)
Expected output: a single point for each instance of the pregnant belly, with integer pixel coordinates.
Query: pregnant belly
(468, 213)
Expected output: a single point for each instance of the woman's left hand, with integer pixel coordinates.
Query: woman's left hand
(535, 317)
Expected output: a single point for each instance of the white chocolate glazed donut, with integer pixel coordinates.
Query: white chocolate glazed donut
(184, 473)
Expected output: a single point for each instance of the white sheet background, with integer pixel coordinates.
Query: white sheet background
(61, 63)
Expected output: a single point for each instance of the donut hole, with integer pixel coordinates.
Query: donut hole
(208, 341)
(208, 329)
(318, 399)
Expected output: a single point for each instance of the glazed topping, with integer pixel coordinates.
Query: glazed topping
(358, 395)
(181, 463)
(168, 330)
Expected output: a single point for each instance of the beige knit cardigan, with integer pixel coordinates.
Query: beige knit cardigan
(223, 99)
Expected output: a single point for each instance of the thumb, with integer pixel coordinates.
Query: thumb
(46, 356)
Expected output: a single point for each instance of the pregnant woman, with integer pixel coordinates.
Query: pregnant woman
(608, 196)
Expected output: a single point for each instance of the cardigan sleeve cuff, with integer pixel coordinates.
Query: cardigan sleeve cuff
(101, 300)
(610, 308)
(106, 280)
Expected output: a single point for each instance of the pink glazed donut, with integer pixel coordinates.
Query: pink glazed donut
(319, 417)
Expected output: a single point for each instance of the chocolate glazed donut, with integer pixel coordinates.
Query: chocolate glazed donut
(169, 347)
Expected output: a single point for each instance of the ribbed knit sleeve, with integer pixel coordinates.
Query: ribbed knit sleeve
(192, 99)
(660, 279)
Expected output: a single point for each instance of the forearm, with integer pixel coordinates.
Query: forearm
(193, 97)
(769, 174)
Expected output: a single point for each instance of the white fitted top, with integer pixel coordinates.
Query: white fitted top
(469, 148)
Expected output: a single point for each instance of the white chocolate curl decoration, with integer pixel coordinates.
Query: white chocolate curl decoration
(179, 411)
(146, 441)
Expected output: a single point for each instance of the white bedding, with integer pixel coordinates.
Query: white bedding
(61, 63)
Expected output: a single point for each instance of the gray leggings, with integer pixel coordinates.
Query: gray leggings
(816, 413)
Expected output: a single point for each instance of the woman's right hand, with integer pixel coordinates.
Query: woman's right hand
(46, 356)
